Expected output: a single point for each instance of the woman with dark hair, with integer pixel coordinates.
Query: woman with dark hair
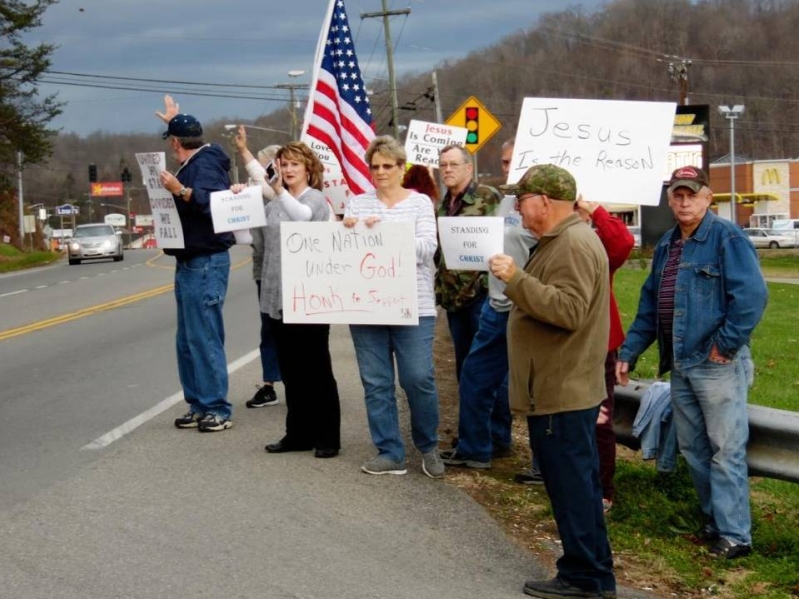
(313, 418)
(418, 178)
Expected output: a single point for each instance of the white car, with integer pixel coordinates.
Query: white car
(770, 238)
(94, 241)
(636, 233)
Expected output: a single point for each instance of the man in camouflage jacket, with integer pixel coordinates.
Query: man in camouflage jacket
(462, 293)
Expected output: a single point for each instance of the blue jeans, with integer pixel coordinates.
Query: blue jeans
(484, 421)
(268, 348)
(376, 347)
(565, 447)
(463, 325)
(200, 289)
(708, 404)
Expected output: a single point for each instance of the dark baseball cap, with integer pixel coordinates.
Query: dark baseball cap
(183, 125)
(692, 177)
(547, 179)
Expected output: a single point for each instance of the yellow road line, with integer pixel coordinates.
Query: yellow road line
(43, 324)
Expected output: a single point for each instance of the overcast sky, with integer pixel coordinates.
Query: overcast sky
(231, 43)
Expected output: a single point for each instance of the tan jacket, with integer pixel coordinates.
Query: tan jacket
(558, 326)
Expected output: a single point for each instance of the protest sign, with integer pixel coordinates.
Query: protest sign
(332, 274)
(468, 242)
(234, 211)
(616, 150)
(425, 140)
(335, 187)
(167, 228)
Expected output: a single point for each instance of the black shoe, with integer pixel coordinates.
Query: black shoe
(325, 453)
(556, 588)
(726, 549)
(708, 535)
(265, 396)
(529, 477)
(284, 446)
(189, 420)
(501, 452)
(211, 423)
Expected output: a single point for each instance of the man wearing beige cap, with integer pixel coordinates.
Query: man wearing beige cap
(703, 298)
(557, 343)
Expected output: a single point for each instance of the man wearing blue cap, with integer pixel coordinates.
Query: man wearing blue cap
(201, 272)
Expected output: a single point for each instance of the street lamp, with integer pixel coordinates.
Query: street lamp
(731, 113)
(291, 87)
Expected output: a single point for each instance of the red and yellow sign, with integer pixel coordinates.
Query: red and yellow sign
(107, 188)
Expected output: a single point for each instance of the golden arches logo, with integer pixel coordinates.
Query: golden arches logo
(770, 176)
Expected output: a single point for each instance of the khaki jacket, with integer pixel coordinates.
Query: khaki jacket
(558, 326)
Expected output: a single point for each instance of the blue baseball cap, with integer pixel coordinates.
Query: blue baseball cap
(183, 125)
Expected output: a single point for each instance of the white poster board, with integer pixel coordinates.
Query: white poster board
(115, 220)
(332, 274)
(335, 187)
(167, 228)
(234, 211)
(425, 140)
(468, 242)
(616, 150)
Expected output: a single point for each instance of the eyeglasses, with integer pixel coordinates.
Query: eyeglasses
(532, 195)
(382, 167)
(445, 165)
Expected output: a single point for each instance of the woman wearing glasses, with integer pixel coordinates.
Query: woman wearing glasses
(378, 346)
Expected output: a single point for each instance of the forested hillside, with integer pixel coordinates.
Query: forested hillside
(730, 52)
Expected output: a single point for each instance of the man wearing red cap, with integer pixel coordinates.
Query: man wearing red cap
(703, 298)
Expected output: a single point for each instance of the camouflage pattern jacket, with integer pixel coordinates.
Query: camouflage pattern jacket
(457, 289)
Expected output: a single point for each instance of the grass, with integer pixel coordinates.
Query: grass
(654, 515)
(12, 259)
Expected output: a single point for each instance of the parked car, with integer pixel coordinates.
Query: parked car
(94, 241)
(636, 233)
(771, 238)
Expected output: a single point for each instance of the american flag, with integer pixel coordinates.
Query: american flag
(338, 113)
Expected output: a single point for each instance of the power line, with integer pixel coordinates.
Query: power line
(146, 80)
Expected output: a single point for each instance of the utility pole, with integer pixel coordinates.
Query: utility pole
(678, 71)
(19, 198)
(291, 87)
(436, 98)
(392, 83)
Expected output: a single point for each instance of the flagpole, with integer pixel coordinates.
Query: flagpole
(320, 51)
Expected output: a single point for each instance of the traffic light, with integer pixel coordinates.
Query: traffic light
(92, 173)
(125, 176)
(473, 125)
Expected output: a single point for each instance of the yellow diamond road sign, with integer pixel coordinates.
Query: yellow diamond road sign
(481, 124)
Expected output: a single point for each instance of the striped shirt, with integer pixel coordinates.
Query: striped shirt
(668, 282)
(417, 208)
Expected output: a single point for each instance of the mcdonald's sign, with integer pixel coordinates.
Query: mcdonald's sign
(770, 176)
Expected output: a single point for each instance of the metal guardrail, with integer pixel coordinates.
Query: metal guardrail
(773, 448)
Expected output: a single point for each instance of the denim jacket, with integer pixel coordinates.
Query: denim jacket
(654, 426)
(719, 297)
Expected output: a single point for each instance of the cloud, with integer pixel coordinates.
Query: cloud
(242, 42)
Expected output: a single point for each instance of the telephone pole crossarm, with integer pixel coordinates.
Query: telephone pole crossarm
(392, 84)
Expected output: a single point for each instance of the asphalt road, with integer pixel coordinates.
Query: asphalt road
(101, 497)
